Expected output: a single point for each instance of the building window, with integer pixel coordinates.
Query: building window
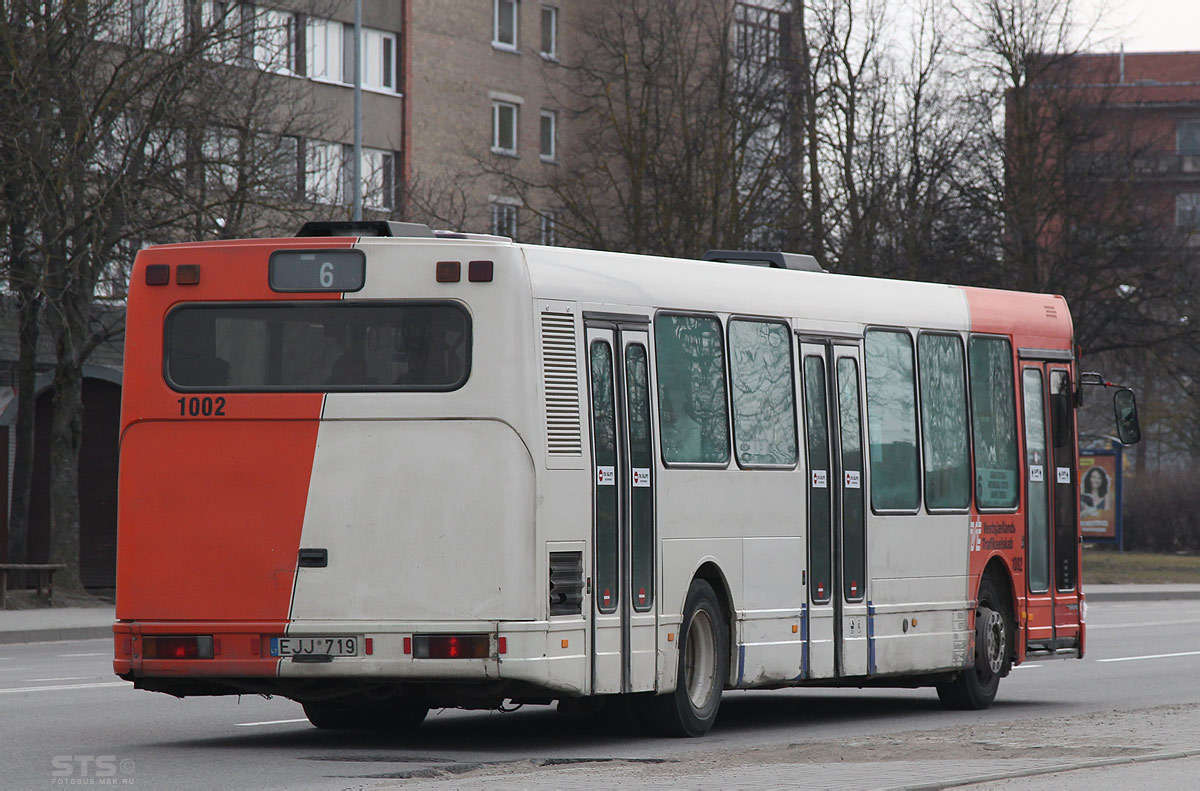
(549, 229)
(379, 60)
(549, 32)
(378, 177)
(323, 169)
(1187, 138)
(504, 128)
(758, 33)
(1187, 211)
(504, 24)
(504, 219)
(549, 134)
(273, 40)
(324, 50)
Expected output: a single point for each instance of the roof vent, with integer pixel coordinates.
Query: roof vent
(364, 228)
(775, 260)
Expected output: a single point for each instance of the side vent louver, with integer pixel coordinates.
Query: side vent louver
(561, 375)
(566, 583)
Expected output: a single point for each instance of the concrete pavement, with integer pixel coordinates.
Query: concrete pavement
(79, 623)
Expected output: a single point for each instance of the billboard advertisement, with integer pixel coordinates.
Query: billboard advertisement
(1099, 495)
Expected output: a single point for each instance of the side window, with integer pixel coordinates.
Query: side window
(820, 508)
(604, 443)
(690, 361)
(892, 421)
(993, 422)
(760, 371)
(944, 421)
(641, 495)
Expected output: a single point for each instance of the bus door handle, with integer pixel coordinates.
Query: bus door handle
(314, 558)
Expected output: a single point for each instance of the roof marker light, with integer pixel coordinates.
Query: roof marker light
(449, 271)
(158, 274)
(187, 274)
(479, 271)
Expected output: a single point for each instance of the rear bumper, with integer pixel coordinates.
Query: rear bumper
(538, 656)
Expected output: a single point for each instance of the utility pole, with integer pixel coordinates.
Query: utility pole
(356, 170)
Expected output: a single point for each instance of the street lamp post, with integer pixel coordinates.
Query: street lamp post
(356, 169)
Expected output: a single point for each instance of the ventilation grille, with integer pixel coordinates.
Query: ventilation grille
(561, 375)
(566, 583)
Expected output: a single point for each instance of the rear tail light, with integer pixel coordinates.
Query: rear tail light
(177, 647)
(451, 646)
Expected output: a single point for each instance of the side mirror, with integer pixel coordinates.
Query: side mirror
(1125, 406)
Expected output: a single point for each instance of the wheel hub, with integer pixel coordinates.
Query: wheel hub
(991, 641)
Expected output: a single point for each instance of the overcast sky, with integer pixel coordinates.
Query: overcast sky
(1145, 25)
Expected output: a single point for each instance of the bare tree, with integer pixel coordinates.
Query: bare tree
(679, 129)
(113, 106)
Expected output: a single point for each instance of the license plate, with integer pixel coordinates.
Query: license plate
(332, 645)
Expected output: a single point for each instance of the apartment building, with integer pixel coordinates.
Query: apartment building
(485, 83)
(1143, 118)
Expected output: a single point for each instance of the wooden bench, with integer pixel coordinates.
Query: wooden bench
(44, 572)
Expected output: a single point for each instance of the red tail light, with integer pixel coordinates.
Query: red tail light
(177, 647)
(451, 646)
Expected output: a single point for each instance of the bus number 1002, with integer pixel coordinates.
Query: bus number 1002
(202, 407)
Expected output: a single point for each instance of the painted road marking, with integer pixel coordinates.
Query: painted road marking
(270, 722)
(61, 678)
(102, 653)
(1150, 656)
(1021, 667)
(98, 685)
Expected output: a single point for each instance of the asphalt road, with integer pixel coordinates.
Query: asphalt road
(66, 721)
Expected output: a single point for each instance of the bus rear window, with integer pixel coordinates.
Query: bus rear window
(318, 347)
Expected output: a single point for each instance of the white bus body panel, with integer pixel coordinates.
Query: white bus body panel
(442, 518)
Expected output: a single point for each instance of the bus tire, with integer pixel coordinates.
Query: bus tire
(329, 715)
(975, 688)
(691, 709)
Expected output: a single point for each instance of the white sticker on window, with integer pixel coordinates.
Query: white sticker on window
(820, 479)
(1064, 474)
(641, 477)
(1037, 473)
(606, 476)
(853, 481)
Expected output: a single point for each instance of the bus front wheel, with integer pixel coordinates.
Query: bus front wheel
(703, 667)
(975, 687)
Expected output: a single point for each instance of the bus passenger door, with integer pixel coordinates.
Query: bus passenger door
(1065, 500)
(1052, 537)
(838, 643)
(624, 649)
(1039, 616)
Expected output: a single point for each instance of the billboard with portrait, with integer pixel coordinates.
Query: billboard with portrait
(1099, 486)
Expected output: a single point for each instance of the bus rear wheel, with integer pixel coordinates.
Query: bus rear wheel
(703, 667)
(975, 687)
(332, 715)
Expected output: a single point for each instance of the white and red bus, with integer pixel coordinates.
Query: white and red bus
(380, 470)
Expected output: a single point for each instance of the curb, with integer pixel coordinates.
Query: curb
(55, 635)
